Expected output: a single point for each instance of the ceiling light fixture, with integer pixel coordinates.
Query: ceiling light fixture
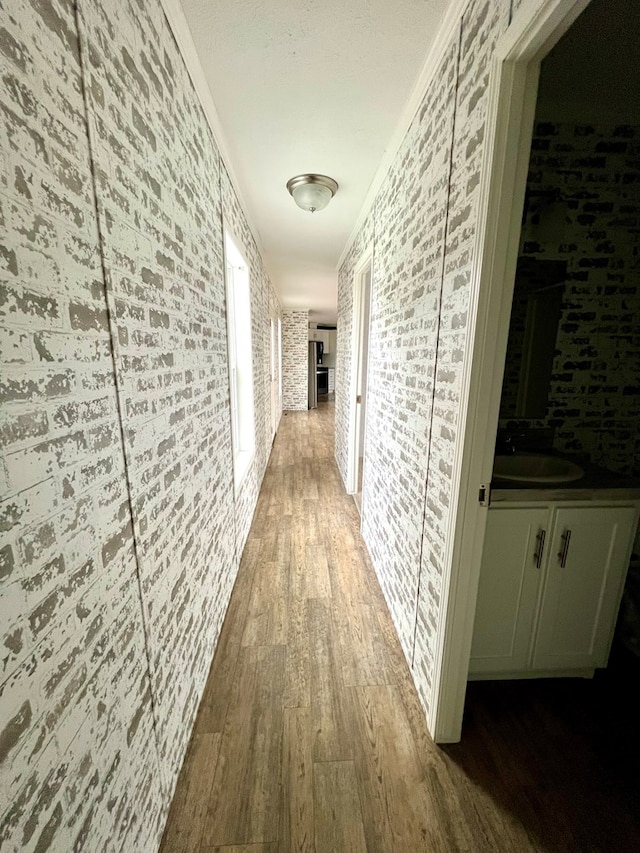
(312, 192)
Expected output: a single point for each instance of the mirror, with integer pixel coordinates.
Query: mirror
(533, 330)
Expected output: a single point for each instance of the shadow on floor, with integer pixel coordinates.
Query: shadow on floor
(560, 756)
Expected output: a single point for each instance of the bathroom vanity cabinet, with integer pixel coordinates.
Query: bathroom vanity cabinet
(550, 586)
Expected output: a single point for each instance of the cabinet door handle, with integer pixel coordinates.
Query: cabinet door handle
(562, 553)
(539, 547)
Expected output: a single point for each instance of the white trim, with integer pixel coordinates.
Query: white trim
(242, 457)
(511, 108)
(441, 43)
(364, 264)
(241, 466)
(181, 32)
(227, 228)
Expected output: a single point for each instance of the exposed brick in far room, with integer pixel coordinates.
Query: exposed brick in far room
(295, 355)
(594, 396)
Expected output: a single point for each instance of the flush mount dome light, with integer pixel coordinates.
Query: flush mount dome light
(312, 192)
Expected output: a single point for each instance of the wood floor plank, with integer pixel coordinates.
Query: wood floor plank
(189, 807)
(297, 691)
(391, 775)
(338, 819)
(217, 693)
(309, 571)
(348, 580)
(363, 654)
(297, 835)
(267, 614)
(541, 767)
(242, 848)
(331, 706)
(244, 800)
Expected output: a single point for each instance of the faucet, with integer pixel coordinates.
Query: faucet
(507, 444)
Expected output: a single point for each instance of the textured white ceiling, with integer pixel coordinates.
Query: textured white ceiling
(309, 86)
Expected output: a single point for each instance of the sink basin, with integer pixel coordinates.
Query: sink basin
(534, 468)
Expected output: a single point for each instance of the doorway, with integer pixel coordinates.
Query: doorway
(361, 325)
(273, 374)
(513, 84)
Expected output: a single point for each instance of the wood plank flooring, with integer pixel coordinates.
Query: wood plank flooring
(310, 737)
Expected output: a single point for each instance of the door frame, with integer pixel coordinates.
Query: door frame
(512, 96)
(364, 265)
(273, 374)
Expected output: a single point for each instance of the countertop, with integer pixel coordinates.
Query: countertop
(597, 484)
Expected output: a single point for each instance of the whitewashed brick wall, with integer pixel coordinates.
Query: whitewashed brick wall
(594, 395)
(295, 360)
(120, 535)
(424, 223)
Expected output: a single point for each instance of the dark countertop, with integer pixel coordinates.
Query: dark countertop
(597, 484)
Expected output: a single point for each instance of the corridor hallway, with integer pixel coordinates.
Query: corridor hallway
(310, 736)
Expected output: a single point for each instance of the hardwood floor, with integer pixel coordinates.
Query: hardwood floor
(310, 736)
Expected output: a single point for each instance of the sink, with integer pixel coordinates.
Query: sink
(536, 468)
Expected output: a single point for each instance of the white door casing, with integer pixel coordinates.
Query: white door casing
(363, 267)
(512, 97)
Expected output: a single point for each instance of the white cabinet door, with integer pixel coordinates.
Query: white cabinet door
(510, 577)
(333, 340)
(588, 557)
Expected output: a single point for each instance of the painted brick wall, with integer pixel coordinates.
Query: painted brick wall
(482, 24)
(295, 354)
(515, 6)
(425, 222)
(157, 174)
(78, 764)
(594, 395)
(407, 281)
(114, 384)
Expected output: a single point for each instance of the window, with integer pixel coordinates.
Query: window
(240, 360)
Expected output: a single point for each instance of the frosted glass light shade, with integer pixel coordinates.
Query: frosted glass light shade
(312, 192)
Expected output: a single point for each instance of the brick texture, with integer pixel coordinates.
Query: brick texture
(407, 281)
(594, 395)
(157, 172)
(120, 529)
(424, 224)
(295, 360)
(78, 762)
(515, 6)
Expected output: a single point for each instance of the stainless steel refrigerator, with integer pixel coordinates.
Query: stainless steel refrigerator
(315, 358)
